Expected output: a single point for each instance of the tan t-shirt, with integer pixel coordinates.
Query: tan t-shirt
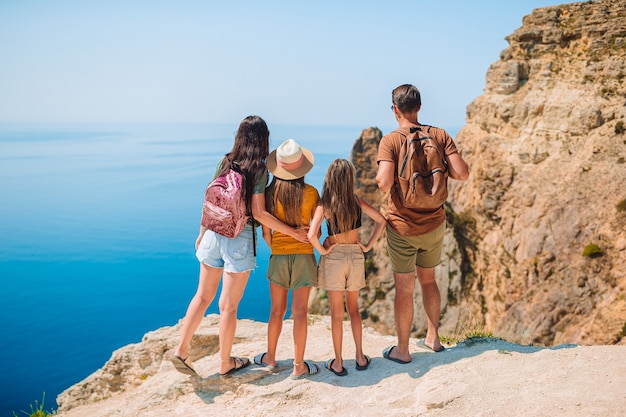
(406, 221)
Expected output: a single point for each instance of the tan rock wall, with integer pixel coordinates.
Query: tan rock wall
(548, 175)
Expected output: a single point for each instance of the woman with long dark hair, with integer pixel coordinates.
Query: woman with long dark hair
(231, 259)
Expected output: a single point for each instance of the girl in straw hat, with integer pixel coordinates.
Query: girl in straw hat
(341, 269)
(292, 265)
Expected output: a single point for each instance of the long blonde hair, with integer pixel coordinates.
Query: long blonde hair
(289, 194)
(338, 200)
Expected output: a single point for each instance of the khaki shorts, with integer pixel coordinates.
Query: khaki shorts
(292, 271)
(407, 252)
(343, 269)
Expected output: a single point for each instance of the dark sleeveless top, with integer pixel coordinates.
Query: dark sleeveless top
(332, 227)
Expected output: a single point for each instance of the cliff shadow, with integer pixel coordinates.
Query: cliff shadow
(212, 386)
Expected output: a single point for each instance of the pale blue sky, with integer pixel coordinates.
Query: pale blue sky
(316, 62)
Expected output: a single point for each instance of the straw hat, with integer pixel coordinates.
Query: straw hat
(290, 161)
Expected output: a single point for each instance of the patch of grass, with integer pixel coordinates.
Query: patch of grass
(37, 410)
(592, 251)
(619, 127)
(370, 266)
(468, 333)
(478, 335)
(380, 294)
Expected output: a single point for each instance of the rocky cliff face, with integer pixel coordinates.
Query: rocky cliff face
(536, 245)
(140, 381)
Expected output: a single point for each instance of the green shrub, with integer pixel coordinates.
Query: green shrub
(592, 251)
(380, 294)
(478, 335)
(619, 127)
(37, 410)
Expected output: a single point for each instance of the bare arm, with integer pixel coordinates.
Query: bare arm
(316, 230)
(380, 220)
(200, 235)
(267, 219)
(267, 235)
(385, 175)
(457, 167)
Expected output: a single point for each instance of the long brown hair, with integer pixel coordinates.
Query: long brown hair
(289, 194)
(249, 153)
(338, 198)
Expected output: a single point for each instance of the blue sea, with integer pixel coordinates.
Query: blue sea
(97, 232)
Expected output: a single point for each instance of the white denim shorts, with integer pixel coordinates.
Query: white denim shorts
(234, 255)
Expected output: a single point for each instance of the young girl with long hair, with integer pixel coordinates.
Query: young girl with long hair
(231, 260)
(292, 263)
(341, 268)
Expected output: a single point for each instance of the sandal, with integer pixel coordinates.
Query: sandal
(312, 369)
(258, 359)
(329, 366)
(363, 367)
(240, 363)
(181, 366)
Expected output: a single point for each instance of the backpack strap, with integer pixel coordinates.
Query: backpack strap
(253, 235)
(414, 129)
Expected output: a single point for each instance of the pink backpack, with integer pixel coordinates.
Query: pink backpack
(224, 210)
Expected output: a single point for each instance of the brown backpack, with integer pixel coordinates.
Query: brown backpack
(422, 171)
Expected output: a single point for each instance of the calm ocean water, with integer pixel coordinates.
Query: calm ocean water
(97, 227)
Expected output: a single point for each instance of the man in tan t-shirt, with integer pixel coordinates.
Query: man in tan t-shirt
(414, 237)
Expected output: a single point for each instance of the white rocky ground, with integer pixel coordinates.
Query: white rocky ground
(487, 377)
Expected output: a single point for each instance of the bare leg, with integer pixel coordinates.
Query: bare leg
(336, 319)
(278, 295)
(432, 305)
(403, 309)
(299, 309)
(207, 288)
(352, 304)
(233, 285)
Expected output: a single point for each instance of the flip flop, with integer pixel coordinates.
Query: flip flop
(258, 360)
(387, 355)
(312, 369)
(182, 367)
(363, 367)
(329, 366)
(240, 363)
(422, 343)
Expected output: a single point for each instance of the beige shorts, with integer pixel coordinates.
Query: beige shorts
(343, 269)
(407, 252)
